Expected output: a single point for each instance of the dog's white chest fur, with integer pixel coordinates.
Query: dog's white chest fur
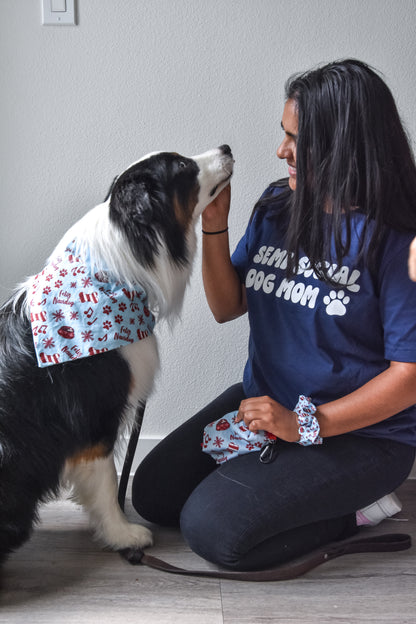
(143, 359)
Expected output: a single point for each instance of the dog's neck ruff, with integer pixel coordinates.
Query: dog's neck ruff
(76, 313)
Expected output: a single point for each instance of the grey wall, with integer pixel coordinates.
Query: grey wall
(80, 103)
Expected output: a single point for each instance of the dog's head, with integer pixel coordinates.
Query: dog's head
(157, 199)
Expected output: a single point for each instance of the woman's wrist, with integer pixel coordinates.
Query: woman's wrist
(214, 232)
(214, 225)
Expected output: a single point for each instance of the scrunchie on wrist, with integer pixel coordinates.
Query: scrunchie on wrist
(307, 421)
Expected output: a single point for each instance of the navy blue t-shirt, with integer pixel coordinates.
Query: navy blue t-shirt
(308, 337)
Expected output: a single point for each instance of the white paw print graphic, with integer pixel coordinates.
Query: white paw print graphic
(335, 303)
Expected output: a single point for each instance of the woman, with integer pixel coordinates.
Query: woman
(412, 260)
(321, 271)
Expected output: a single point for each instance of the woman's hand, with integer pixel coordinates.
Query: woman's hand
(264, 413)
(215, 215)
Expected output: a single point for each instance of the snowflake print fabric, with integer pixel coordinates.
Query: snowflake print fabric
(77, 313)
(226, 438)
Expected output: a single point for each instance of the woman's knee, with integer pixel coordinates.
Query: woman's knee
(204, 532)
(228, 544)
(165, 479)
(145, 498)
(212, 530)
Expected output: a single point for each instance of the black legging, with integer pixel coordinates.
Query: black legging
(247, 515)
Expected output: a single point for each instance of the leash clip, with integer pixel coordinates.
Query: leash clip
(132, 555)
(268, 452)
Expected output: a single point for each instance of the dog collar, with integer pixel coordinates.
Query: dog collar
(77, 313)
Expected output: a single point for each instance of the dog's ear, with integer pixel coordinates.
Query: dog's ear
(131, 199)
(110, 190)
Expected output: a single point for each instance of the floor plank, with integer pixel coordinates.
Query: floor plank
(62, 575)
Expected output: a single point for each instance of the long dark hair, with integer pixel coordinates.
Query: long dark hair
(352, 153)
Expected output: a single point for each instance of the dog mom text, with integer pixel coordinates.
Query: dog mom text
(291, 289)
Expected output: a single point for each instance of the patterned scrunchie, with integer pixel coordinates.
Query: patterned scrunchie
(308, 423)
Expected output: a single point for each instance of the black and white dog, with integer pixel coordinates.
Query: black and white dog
(60, 410)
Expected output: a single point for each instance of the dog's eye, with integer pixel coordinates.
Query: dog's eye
(182, 165)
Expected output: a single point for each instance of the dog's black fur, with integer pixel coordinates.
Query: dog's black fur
(143, 216)
(46, 416)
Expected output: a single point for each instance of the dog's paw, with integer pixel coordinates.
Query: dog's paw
(126, 536)
(139, 537)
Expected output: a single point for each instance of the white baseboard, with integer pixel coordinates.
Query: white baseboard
(144, 446)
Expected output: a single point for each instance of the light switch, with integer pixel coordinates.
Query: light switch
(58, 6)
(58, 12)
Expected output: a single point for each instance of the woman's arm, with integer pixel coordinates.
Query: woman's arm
(412, 260)
(388, 393)
(224, 292)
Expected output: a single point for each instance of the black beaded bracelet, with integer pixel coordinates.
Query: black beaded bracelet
(212, 233)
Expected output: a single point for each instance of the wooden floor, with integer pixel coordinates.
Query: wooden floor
(61, 575)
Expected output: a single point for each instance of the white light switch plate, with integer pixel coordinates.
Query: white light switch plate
(58, 12)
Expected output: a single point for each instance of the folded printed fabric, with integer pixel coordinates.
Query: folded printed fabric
(77, 311)
(226, 438)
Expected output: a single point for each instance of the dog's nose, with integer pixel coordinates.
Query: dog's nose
(226, 150)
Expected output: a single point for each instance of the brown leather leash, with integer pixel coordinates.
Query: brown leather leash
(130, 452)
(388, 542)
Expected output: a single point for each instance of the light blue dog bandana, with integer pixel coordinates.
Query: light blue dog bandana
(76, 313)
(226, 438)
